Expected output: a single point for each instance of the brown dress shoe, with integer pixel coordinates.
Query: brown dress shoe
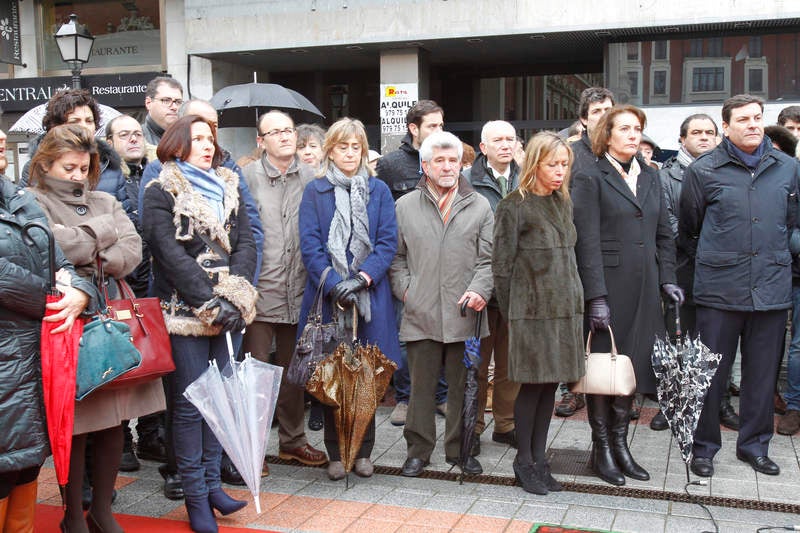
(265, 469)
(306, 454)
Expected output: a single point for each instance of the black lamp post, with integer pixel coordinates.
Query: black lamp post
(75, 45)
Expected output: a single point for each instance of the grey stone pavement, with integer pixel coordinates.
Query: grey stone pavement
(569, 444)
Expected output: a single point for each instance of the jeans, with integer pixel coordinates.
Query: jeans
(792, 395)
(402, 377)
(197, 450)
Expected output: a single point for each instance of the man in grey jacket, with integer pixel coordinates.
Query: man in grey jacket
(443, 261)
(737, 211)
(277, 181)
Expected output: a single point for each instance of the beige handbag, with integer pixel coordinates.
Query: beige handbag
(606, 373)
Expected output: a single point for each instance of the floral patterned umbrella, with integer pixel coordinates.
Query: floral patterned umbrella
(684, 371)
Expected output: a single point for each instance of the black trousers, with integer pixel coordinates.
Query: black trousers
(762, 339)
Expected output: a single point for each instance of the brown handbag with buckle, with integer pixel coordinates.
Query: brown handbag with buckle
(146, 321)
(606, 373)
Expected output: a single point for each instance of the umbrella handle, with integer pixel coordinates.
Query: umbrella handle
(355, 324)
(678, 332)
(478, 318)
(51, 248)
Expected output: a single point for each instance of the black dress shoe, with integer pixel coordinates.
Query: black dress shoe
(728, 417)
(129, 462)
(414, 466)
(228, 472)
(315, 419)
(703, 466)
(151, 449)
(659, 422)
(760, 463)
(173, 487)
(509, 437)
(471, 465)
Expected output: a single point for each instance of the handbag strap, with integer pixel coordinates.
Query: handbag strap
(215, 247)
(613, 343)
(125, 292)
(316, 305)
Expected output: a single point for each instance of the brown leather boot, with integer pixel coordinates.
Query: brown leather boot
(21, 507)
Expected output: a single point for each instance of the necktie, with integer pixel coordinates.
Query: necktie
(503, 185)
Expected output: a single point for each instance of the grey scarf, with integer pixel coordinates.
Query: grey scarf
(684, 158)
(350, 228)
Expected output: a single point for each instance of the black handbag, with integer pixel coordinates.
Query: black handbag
(317, 341)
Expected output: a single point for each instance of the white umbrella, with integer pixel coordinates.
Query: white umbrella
(31, 121)
(238, 404)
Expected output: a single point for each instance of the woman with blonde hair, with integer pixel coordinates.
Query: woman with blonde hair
(347, 222)
(534, 240)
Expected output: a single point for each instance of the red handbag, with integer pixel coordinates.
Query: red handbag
(149, 332)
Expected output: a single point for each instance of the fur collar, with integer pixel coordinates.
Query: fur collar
(191, 205)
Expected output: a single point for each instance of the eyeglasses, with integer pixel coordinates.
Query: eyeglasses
(169, 102)
(125, 135)
(275, 133)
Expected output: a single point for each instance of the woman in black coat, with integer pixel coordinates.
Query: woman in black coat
(625, 253)
(204, 257)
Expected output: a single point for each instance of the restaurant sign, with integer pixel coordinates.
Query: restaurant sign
(115, 90)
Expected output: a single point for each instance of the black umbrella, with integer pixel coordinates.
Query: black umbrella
(469, 411)
(684, 371)
(241, 105)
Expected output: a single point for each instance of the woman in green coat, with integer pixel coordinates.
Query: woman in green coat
(540, 295)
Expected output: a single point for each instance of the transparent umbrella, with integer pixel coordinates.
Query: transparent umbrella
(238, 404)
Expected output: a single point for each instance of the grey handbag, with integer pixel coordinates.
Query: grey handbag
(606, 373)
(317, 341)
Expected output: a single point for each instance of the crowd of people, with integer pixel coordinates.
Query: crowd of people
(540, 243)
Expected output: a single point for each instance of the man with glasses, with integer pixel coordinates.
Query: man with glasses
(494, 174)
(124, 134)
(277, 180)
(163, 98)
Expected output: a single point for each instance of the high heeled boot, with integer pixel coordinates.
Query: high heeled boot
(201, 517)
(621, 407)
(222, 502)
(527, 476)
(598, 409)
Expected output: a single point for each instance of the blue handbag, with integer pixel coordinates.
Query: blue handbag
(105, 352)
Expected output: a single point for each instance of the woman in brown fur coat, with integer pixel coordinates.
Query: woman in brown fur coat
(540, 295)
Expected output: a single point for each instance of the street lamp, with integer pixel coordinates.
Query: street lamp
(75, 44)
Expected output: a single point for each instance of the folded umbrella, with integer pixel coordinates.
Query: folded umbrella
(59, 359)
(238, 404)
(352, 380)
(469, 411)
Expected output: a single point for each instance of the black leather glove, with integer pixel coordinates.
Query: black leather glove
(599, 314)
(228, 316)
(344, 292)
(674, 292)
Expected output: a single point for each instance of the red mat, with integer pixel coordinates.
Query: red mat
(49, 516)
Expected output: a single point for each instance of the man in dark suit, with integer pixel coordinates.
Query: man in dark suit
(737, 210)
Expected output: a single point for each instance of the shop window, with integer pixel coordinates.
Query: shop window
(633, 51)
(754, 47)
(126, 33)
(714, 47)
(707, 79)
(660, 82)
(695, 48)
(660, 50)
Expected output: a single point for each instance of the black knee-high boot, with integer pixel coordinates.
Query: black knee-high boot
(600, 416)
(619, 439)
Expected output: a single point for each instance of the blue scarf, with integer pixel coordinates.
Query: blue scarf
(208, 184)
(751, 161)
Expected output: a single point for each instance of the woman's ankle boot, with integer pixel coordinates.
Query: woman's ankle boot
(527, 477)
(599, 412)
(201, 517)
(619, 440)
(222, 502)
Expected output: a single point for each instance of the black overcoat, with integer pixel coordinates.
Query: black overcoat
(625, 251)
